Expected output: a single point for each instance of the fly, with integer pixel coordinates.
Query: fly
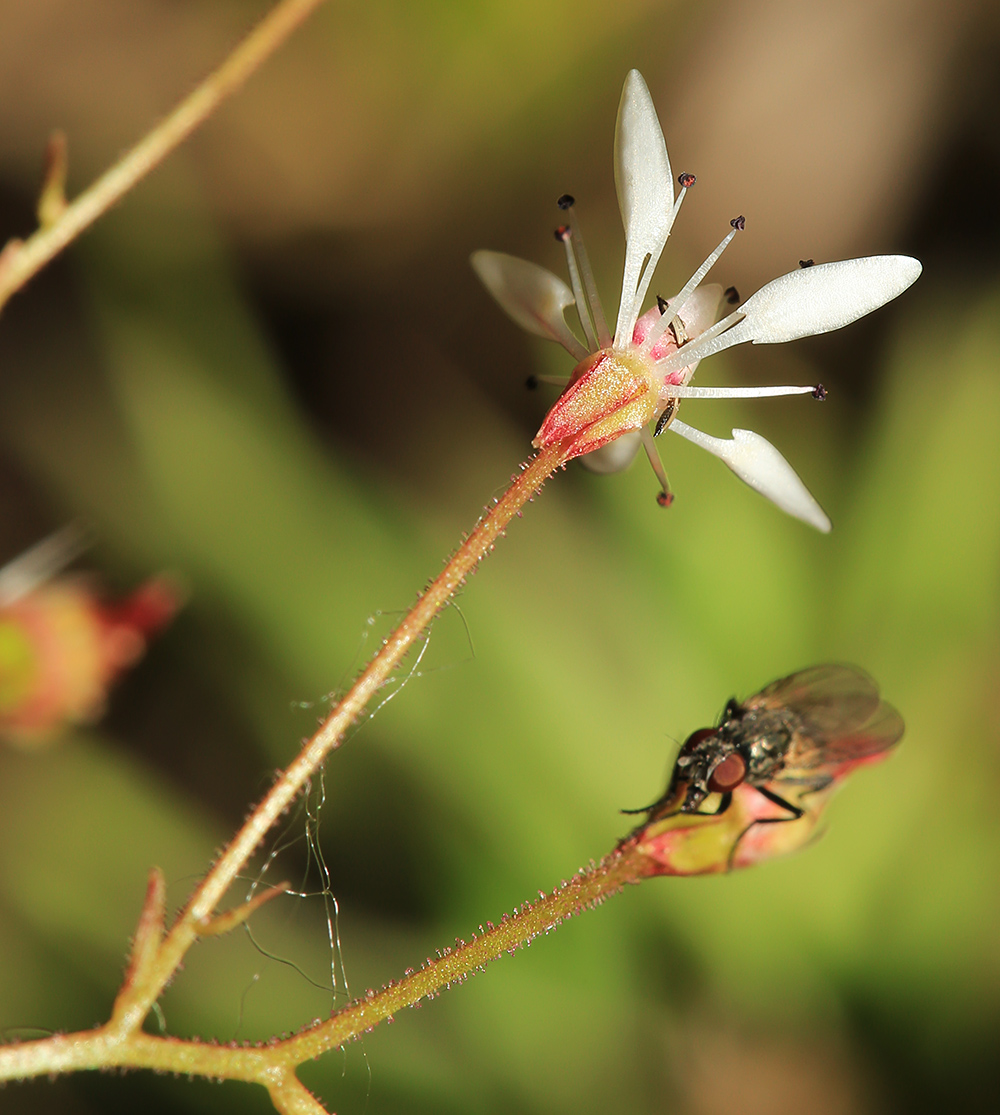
(793, 738)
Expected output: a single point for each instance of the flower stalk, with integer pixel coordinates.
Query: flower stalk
(332, 731)
(156, 958)
(121, 1043)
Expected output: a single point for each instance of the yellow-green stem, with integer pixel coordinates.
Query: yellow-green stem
(273, 1065)
(21, 261)
(582, 891)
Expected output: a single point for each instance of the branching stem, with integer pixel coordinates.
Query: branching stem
(121, 1042)
(273, 1064)
(156, 958)
(331, 733)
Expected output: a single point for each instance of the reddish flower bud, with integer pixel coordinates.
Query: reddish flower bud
(62, 647)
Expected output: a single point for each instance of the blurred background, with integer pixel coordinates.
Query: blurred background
(271, 371)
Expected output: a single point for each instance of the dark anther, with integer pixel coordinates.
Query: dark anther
(687, 180)
(531, 383)
(665, 499)
(661, 304)
(807, 263)
(567, 201)
(820, 392)
(562, 233)
(732, 295)
(664, 420)
(739, 223)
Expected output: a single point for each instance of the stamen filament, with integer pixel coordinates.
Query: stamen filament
(666, 496)
(684, 392)
(677, 303)
(647, 274)
(582, 304)
(704, 345)
(593, 300)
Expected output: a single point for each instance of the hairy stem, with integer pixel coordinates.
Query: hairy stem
(273, 1065)
(122, 1043)
(331, 733)
(585, 890)
(20, 261)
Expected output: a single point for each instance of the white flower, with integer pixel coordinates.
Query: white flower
(626, 383)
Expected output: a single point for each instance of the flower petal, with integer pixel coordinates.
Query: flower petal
(645, 192)
(531, 296)
(616, 456)
(701, 309)
(822, 298)
(805, 302)
(757, 463)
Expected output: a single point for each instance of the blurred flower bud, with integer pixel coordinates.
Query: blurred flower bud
(62, 646)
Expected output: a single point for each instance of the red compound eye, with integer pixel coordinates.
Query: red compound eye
(728, 774)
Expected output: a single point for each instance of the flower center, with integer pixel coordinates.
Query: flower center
(609, 393)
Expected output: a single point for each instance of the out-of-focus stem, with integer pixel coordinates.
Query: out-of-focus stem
(21, 260)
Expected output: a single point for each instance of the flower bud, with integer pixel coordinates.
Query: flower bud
(62, 646)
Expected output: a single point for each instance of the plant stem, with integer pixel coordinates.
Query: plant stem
(121, 1042)
(21, 261)
(331, 733)
(587, 889)
(273, 1064)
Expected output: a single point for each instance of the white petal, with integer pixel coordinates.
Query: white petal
(756, 462)
(42, 562)
(616, 456)
(532, 296)
(701, 309)
(645, 192)
(822, 298)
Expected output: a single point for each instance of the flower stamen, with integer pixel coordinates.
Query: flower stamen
(592, 301)
(564, 233)
(669, 412)
(686, 181)
(665, 497)
(533, 381)
(681, 391)
(701, 346)
(677, 303)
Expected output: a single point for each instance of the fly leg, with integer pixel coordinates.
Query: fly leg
(724, 803)
(795, 814)
(795, 811)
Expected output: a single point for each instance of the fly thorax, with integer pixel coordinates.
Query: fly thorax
(769, 735)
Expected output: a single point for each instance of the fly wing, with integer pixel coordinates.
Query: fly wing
(841, 722)
(879, 733)
(832, 701)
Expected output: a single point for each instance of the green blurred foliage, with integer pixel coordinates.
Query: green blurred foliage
(862, 974)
